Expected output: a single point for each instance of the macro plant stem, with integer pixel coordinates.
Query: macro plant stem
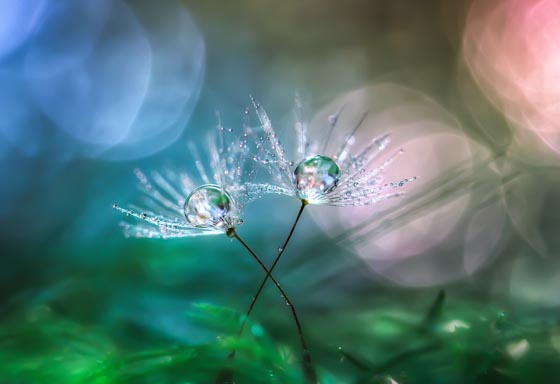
(280, 253)
(309, 370)
(282, 292)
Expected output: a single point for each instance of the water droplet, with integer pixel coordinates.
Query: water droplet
(280, 249)
(316, 176)
(207, 206)
(143, 215)
(115, 205)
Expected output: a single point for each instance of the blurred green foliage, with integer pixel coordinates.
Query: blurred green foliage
(450, 342)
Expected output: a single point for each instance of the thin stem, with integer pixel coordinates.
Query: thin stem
(263, 283)
(282, 292)
(309, 371)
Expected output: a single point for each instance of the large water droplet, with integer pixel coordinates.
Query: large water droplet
(207, 206)
(316, 176)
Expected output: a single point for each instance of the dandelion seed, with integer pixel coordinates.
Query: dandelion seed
(174, 209)
(339, 178)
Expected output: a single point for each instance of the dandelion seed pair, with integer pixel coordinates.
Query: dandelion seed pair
(215, 207)
(177, 207)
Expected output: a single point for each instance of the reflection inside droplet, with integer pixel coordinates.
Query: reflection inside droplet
(207, 206)
(316, 176)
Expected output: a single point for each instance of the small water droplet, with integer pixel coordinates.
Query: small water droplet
(115, 205)
(207, 206)
(280, 249)
(315, 177)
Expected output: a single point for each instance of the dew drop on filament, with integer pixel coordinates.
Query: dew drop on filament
(315, 177)
(207, 206)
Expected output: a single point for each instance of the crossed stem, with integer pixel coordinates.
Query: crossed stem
(265, 280)
(309, 371)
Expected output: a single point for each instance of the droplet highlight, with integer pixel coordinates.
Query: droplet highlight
(315, 177)
(208, 206)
